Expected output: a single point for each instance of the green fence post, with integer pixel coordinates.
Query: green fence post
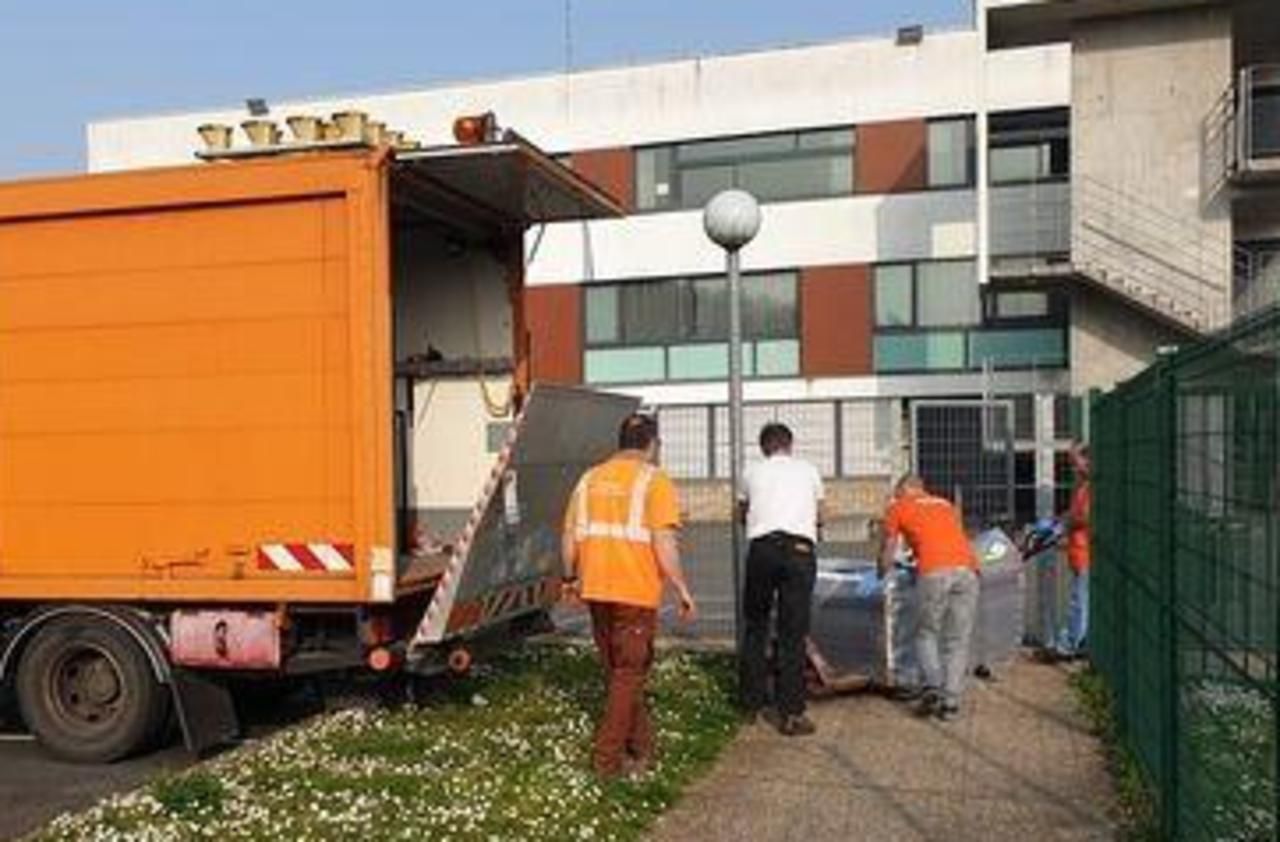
(1168, 447)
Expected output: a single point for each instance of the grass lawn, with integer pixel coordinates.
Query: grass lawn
(1226, 748)
(501, 755)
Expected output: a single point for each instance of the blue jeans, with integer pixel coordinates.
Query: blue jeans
(1073, 637)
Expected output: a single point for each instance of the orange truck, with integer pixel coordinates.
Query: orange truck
(202, 454)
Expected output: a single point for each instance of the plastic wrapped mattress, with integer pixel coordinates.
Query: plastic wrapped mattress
(862, 625)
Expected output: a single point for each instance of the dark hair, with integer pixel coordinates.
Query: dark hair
(637, 431)
(774, 437)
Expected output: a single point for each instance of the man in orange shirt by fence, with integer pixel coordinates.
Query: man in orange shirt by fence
(947, 589)
(619, 546)
(1077, 522)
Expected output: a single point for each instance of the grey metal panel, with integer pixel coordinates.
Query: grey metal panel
(512, 540)
(862, 626)
(1031, 219)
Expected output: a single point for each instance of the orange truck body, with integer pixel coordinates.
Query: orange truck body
(203, 465)
(195, 364)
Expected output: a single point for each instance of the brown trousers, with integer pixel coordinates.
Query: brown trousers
(624, 638)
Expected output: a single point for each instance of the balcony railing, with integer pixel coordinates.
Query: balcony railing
(1241, 134)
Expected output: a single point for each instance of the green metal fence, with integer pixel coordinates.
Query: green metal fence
(1186, 609)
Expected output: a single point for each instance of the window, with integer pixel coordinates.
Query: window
(934, 351)
(951, 152)
(1045, 348)
(678, 329)
(939, 293)
(1022, 304)
(946, 293)
(1264, 111)
(1029, 146)
(774, 167)
(931, 316)
(895, 296)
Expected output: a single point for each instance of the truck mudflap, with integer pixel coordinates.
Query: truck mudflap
(506, 562)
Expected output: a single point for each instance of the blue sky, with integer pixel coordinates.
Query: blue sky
(66, 62)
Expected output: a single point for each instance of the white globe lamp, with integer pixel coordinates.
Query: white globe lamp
(731, 219)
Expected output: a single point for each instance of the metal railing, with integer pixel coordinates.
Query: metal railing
(1185, 583)
(1168, 264)
(1257, 282)
(1240, 136)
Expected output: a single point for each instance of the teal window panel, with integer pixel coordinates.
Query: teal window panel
(1018, 348)
(706, 361)
(935, 351)
(778, 358)
(625, 365)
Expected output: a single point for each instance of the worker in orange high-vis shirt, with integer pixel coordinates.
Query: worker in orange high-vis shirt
(619, 547)
(1071, 643)
(947, 589)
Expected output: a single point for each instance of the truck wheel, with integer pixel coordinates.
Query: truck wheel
(87, 692)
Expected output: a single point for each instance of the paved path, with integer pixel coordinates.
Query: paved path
(1019, 765)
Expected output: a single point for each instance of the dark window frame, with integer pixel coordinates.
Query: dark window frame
(1057, 319)
(666, 345)
(1042, 126)
(971, 154)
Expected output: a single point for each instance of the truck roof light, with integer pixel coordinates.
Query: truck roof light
(472, 129)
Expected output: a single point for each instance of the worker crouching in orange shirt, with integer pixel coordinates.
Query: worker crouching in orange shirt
(947, 589)
(619, 546)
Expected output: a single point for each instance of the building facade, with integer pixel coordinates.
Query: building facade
(939, 218)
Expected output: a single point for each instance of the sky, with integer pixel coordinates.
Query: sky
(64, 63)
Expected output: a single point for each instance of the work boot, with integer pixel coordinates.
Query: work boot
(930, 703)
(796, 726)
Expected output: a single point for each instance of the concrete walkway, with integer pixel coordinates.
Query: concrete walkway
(1019, 765)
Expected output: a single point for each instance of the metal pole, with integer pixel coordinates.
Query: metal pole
(735, 434)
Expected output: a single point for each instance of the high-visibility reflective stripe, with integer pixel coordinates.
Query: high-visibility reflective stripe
(616, 530)
(580, 505)
(633, 530)
(635, 517)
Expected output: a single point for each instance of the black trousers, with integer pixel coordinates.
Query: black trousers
(780, 568)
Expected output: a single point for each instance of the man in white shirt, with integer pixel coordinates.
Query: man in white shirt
(780, 499)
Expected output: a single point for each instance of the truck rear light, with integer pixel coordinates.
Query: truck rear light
(459, 660)
(381, 659)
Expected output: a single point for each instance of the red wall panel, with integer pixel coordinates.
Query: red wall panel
(891, 157)
(555, 332)
(612, 169)
(835, 320)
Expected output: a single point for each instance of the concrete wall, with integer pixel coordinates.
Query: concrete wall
(1141, 86)
(828, 84)
(1110, 342)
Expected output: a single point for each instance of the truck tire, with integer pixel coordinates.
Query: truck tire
(87, 691)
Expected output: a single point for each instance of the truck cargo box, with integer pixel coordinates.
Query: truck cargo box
(196, 366)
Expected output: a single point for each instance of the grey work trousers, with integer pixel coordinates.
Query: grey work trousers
(948, 609)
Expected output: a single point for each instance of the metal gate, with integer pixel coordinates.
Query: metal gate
(964, 450)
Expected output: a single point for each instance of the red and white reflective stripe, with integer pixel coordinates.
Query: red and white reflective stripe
(323, 558)
(633, 530)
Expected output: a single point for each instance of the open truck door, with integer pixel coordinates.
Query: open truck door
(497, 561)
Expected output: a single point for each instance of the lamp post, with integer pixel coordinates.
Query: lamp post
(732, 219)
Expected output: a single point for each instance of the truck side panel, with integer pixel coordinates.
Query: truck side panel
(189, 391)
